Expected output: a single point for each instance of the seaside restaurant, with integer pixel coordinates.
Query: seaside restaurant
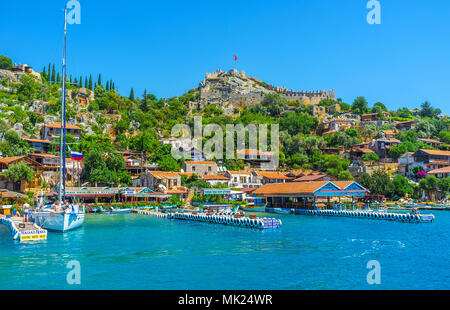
(308, 195)
(115, 194)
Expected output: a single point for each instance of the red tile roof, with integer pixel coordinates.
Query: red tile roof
(296, 188)
(58, 125)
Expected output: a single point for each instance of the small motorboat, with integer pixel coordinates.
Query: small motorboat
(118, 211)
(282, 211)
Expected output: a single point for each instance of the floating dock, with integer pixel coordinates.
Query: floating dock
(218, 218)
(24, 232)
(384, 216)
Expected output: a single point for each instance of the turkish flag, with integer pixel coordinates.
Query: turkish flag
(235, 58)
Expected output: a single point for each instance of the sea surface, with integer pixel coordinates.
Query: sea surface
(141, 252)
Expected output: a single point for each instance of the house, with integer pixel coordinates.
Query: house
(382, 146)
(318, 111)
(432, 159)
(39, 146)
(357, 153)
(389, 134)
(216, 179)
(432, 143)
(336, 125)
(53, 131)
(186, 147)
(50, 169)
(6, 162)
(255, 158)
(22, 69)
(441, 173)
(159, 180)
(335, 108)
(404, 126)
(266, 177)
(405, 163)
(373, 117)
(242, 179)
(200, 168)
(313, 178)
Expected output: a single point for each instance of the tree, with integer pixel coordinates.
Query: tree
(28, 87)
(5, 62)
(379, 106)
(53, 80)
(143, 105)
(90, 82)
(359, 105)
(18, 172)
(99, 82)
(402, 186)
(298, 123)
(345, 175)
(396, 151)
(379, 183)
(370, 157)
(131, 97)
(428, 111)
(274, 104)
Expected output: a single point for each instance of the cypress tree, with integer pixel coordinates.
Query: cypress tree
(144, 102)
(131, 94)
(90, 82)
(107, 85)
(114, 85)
(49, 74)
(86, 82)
(44, 75)
(54, 74)
(58, 78)
(99, 82)
(70, 80)
(80, 85)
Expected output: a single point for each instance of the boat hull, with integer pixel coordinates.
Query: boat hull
(58, 221)
(255, 209)
(124, 211)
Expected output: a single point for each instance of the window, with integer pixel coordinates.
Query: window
(193, 168)
(209, 168)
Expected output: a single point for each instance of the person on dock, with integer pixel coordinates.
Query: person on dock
(26, 211)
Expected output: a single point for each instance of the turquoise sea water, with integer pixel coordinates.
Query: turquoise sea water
(141, 252)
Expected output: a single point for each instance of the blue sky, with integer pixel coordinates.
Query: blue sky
(167, 46)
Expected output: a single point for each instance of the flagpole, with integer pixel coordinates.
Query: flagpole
(62, 155)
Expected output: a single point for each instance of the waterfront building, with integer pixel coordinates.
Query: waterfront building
(20, 186)
(159, 180)
(307, 195)
(266, 177)
(242, 179)
(200, 168)
(214, 180)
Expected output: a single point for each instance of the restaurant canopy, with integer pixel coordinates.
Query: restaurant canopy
(318, 189)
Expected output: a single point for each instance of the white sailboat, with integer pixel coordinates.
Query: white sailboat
(61, 216)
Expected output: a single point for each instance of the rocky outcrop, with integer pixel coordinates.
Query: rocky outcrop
(237, 89)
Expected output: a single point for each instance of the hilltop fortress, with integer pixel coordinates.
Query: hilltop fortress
(238, 89)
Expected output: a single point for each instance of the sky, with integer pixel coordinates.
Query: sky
(167, 47)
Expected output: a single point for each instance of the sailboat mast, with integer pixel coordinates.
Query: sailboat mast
(62, 147)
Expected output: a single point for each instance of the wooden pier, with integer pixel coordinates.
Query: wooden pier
(23, 232)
